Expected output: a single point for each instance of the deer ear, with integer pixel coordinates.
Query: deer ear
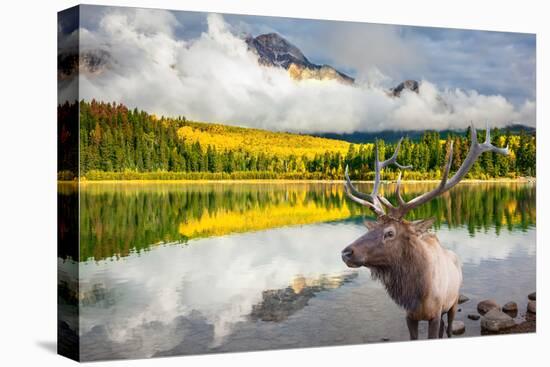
(370, 224)
(422, 225)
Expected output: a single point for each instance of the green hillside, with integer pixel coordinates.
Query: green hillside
(117, 143)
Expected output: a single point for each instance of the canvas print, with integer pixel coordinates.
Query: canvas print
(233, 183)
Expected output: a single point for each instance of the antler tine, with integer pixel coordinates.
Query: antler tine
(386, 202)
(377, 168)
(352, 188)
(374, 201)
(360, 201)
(393, 158)
(398, 191)
(381, 165)
(405, 207)
(359, 197)
(448, 166)
(488, 147)
(473, 135)
(387, 162)
(476, 150)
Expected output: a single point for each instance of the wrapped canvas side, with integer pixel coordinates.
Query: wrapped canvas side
(68, 194)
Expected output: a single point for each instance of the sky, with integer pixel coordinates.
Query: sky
(197, 65)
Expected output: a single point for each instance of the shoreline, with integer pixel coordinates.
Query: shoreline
(287, 181)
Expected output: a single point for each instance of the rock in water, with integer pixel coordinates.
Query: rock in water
(511, 308)
(462, 298)
(532, 307)
(458, 327)
(487, 305)
(532, 296)
(495, 320)
(473, 316)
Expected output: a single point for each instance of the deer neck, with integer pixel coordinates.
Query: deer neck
(406, 277)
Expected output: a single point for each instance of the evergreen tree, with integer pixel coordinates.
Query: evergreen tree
(115, 139)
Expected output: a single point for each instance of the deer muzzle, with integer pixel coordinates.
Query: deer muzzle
(349, 258)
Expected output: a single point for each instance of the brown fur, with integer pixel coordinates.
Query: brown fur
(400, 254)
(404, 279)
(404, 276)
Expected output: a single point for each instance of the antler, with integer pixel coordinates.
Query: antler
(476, 149)
(372, 200)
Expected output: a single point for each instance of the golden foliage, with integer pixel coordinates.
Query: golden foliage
(261, 217)
(259, 141)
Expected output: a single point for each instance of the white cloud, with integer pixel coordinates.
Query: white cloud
(366, 48)
(214, 78)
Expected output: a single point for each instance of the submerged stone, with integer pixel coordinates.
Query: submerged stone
(532, 307)
(458, 328)
(496, 320)
(511, 308)
(462, 298)
(487, 305)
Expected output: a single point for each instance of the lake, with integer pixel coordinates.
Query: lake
(184, 268)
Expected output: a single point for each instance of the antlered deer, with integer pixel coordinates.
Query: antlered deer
(417, 272)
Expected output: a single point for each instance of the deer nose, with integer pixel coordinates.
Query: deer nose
(347, 253)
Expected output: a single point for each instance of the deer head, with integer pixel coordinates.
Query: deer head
(387, 239)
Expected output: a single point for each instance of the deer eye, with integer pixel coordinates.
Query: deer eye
(389, 234)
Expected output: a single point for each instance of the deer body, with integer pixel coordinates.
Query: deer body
(418, 273)
(443, 279)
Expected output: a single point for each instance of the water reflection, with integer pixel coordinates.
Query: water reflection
(218, 294)
(278, 304)
(221, 280)
(169, 269)
(117, 219)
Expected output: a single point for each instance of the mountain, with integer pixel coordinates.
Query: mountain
(411, 85)
(274, 50)
(73, 61)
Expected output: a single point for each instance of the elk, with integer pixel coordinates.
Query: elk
(418, 273)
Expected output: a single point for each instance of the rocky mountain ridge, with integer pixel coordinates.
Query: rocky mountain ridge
(275, 51)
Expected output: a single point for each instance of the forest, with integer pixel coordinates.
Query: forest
(117, 143)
